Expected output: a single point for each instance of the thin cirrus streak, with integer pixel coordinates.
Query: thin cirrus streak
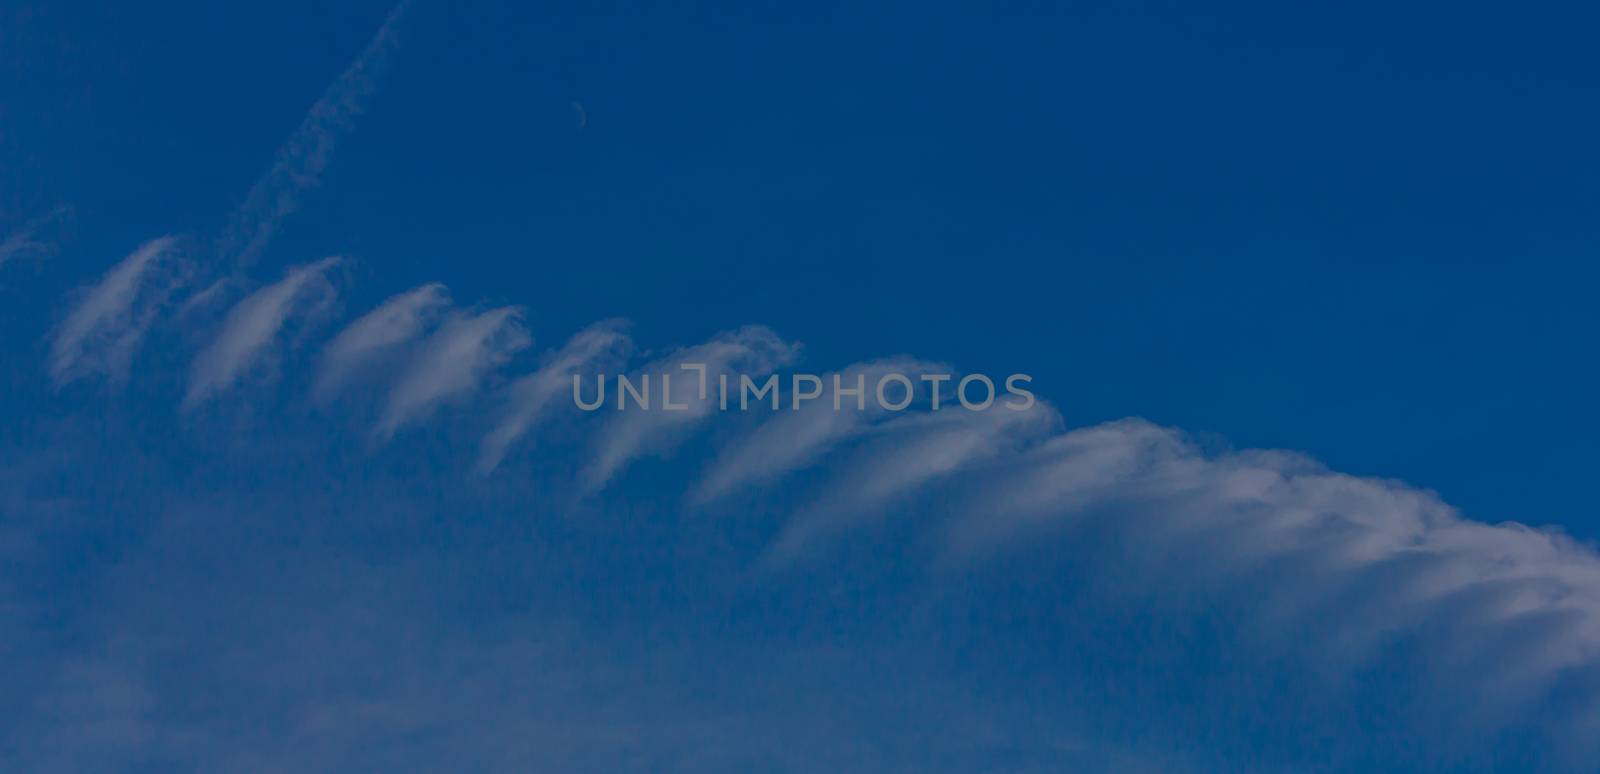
(103, 330)
(253, 324)
(302, 158)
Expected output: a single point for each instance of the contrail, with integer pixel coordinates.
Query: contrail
(301, 160)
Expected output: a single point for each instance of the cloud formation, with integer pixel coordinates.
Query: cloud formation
(753, 350)
(911, 452)
(790, 440)
(1245, 510)
(452, 363)
(378, 335)
(598, 348)
(1319, 580)
(253, 324)
(104, 328)
(1339, 576)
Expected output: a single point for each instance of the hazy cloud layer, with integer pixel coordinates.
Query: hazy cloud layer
(252, 326)
(104, 328)
(333, 664)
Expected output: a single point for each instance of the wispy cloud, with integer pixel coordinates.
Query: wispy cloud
(752, 350)
(253, 324)
(302, 159)
(1245, 509)
(1333, 569)
(909, 453)
(790, 440)
(598, 348)
(22, 241)
(452, 363)
(297, 168)
(1361, 593)
(379, 334)
(105, 327)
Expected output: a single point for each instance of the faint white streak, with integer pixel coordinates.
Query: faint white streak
(211, 295)
(21, 242)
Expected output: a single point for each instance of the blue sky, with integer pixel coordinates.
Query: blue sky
(240, 536)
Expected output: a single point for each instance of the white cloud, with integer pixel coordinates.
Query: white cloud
(595, 349)
(1331, 568)
(378, 334)
(752, 350)
(105, 327)
(451, 363)
(908, 453)
(1316, 569)
(790, 440)
(253, 324)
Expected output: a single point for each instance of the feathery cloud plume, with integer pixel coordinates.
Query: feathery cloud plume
(104, 329)
(1319, 584)
(790, 440)
(451, 363)
(753, 350)
(597, 348)
(1335, 573)
(252, 325)
(302, 159)
(908, 453)
(1245, 509)
(378, 334)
